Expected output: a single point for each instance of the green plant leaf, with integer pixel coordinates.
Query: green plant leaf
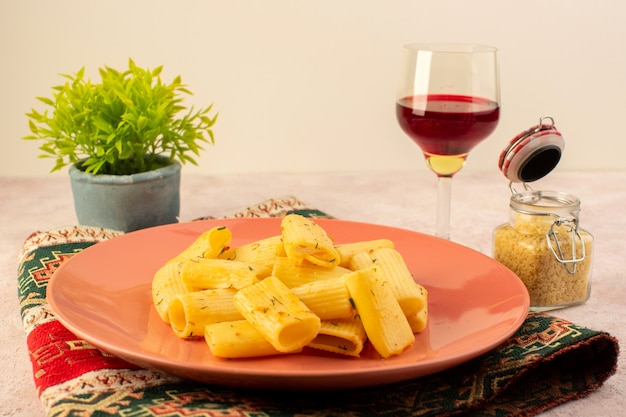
(102, 124)
(114, 123)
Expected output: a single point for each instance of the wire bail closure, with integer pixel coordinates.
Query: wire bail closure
(569, 264)
(553, 240)
(529, 156)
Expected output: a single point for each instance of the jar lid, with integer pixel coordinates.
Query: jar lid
(532, 154)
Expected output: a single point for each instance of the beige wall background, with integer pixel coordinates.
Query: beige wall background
(308, 86)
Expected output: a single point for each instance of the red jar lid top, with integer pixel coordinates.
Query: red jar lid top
(532, 154)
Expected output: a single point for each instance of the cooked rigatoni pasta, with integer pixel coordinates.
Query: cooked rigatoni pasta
(328, 299)
(304, 239)
(237, 339)
(278, 314)
(167, 285)
(348, 250)
(191, 312)
(345, 336)
(386, 325)
(261, 252)
(207, 273)
(389, 262)
(294, 273)
(419, 320)
(290, 291)
(209, 244)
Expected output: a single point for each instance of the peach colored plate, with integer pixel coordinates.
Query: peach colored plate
(103, 295)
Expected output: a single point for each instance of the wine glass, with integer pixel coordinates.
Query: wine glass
(448, 100)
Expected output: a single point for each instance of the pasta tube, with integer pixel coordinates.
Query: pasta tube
(206, 273)
(167, 285)
(191, 312)
(285, 321)
(261, 252)
(294, 273)
(348, 250)
(328, 299)
(419, 320)
(344, 336)
(389, 262)
(237, 339)
(386, 325)
(208, 245)
(304, 239)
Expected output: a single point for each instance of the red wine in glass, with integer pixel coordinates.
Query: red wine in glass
(446, 127)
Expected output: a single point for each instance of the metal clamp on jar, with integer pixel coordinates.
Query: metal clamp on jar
(542, 242)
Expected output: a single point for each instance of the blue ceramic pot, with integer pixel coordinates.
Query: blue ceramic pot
(127, 202)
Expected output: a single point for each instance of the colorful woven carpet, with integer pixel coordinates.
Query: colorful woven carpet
(547, 362)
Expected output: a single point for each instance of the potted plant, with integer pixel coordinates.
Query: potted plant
(125, 139)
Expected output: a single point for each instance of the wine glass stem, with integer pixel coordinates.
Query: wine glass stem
(444, 188)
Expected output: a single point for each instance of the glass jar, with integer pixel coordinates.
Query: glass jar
(544, 246)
